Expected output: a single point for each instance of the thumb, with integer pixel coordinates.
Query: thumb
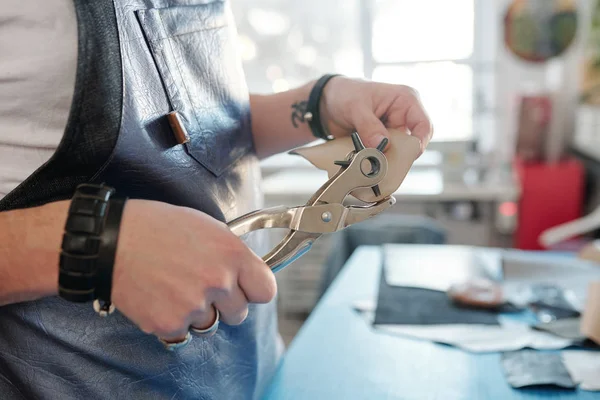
(370, 129)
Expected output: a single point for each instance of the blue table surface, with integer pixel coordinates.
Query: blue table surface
(337, 355)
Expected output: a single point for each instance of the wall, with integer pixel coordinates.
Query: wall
(560, 77)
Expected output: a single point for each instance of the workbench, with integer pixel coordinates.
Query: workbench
(337, 355)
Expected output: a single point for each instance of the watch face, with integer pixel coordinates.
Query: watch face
(538, 30)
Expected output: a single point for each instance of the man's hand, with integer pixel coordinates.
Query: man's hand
(173, 264)
(347, 105)
(369, 108)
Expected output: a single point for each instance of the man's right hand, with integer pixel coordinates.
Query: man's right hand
(173, 264)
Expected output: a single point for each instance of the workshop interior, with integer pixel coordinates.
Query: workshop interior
(490, 247)
(463, 271)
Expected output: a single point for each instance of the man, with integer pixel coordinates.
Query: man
(148, 97)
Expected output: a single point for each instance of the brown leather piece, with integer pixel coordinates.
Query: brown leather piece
(591, 252)
(481, 293)
(178, 128)
(590, 319)
(401, 153)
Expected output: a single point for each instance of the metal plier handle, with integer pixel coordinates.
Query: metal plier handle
(325, 211)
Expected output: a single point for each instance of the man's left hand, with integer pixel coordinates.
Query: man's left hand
(369, 108)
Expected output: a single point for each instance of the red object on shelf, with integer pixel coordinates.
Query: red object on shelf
(551, 194)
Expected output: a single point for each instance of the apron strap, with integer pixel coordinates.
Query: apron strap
(95, 117)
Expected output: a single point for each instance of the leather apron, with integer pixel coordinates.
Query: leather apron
(137, 61)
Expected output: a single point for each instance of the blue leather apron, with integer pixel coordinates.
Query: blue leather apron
(139, 60)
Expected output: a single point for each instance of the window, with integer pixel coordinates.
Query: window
(425, 30)
(445, 49)
(285, 43)
(442, 48)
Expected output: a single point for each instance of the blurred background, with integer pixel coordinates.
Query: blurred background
(510, 86)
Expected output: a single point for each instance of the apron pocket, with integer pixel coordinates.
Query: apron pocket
(194, 48)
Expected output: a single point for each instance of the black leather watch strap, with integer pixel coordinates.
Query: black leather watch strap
(313, 110)
(81, 242)
(108, 250)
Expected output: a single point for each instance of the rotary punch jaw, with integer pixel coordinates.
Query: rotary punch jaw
(325, 211)
(358, 146)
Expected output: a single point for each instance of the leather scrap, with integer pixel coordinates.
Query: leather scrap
(527, 368)
(584, 367)
(591, 252)
(402, 151)
(590, 320)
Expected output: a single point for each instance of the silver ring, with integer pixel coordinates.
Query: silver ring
(171, 346)
(211, 329)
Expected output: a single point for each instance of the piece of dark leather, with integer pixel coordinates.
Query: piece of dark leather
(568, 328)
(525, 368)
(398, 305)
(384, 228)
(52, 349)
(551, 301)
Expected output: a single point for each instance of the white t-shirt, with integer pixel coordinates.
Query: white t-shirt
(38, 63)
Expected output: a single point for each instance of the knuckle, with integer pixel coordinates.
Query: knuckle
(238, 317)
(167, 326)
(236, 253)
(260, 265)
(242, 316)
(240, 256)
(271, 291)
(268, 291)
(220, 282)
(195, 302)
(411, 91)
(429, 125)
(426, 125)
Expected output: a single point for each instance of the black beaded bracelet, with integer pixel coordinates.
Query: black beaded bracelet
(313, 113)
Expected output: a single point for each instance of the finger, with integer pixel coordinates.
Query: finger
(174, 339)
(418, 122)
(170, 334)
(369, 127)
(233, 307)
(204, 319)
(257, 282)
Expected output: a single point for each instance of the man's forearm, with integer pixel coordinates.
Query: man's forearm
(278, 120)
(30, 241)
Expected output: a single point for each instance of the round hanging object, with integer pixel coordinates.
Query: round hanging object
(537, 30)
